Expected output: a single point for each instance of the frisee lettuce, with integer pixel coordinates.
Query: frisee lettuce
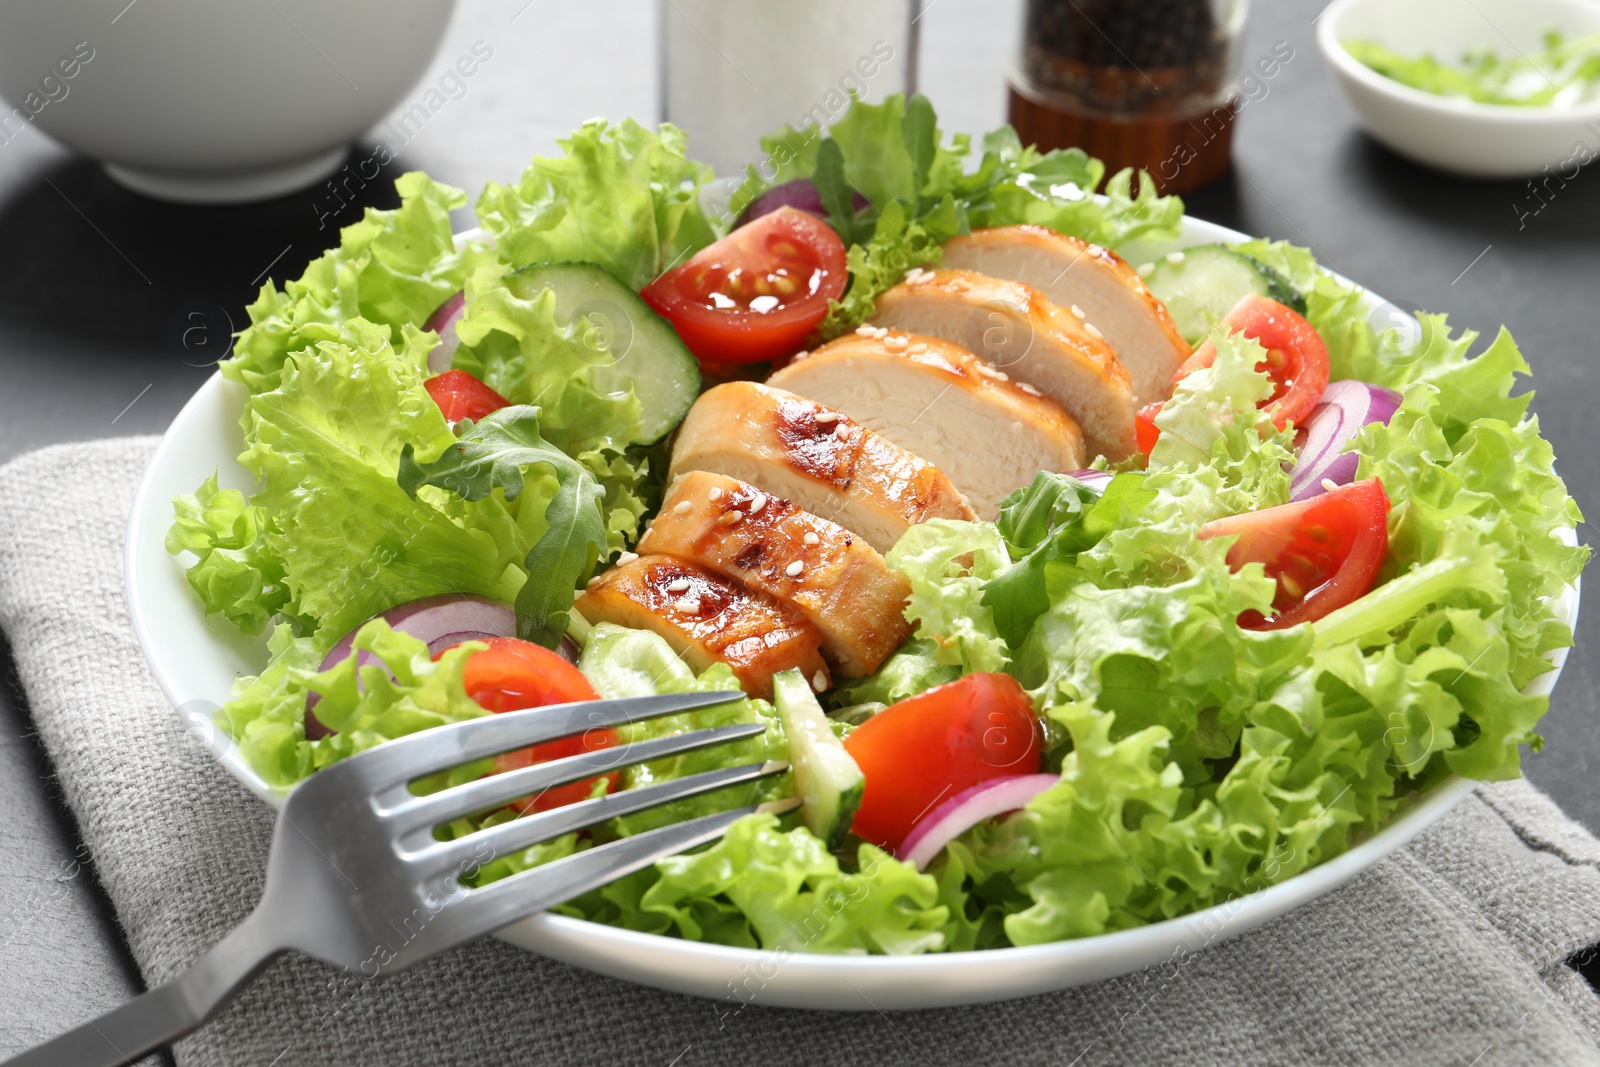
(391, 269)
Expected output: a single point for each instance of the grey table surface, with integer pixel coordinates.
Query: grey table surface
(113, 307)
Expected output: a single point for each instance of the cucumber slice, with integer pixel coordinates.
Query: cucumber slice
(1205, 282)
(825, 776)
(637, 349)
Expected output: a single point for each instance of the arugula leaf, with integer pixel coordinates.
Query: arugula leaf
(1045, 527)
(491, 455)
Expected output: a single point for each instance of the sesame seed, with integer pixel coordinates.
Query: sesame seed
(895, 342)
(865, 331)
(1147, 270)
(716, 492)
(881, 332)
(798, 356)
(728, 518)
(591, 582)
(1030, 390)
(1093, 331)
(811, 538)
(1095, 250)
(819, 681)
(1174, 258)
(1329, 484)
(825, 417)
(689, 604)
(679, 586)
(918, 347)
(683, 507)
(1076, 310)
(794, 569)
(627, 558)
(1002, 375)
(757, 502)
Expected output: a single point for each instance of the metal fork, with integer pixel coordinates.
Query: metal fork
(356, 877)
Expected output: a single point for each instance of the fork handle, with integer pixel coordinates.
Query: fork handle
(165, 1013)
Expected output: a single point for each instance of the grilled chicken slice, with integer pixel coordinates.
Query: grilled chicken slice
(766, 543)
(934, 398)
(1027, 338)
(707, 618)
(1086, 279)
(823, 461)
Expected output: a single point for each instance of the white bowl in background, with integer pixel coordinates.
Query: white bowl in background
(212, 100)
(1462, 136)
(195, 659)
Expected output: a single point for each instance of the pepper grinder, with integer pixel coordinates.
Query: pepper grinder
(1150, 85)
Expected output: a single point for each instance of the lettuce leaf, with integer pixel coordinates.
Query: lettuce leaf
(235, 574)
(391, 269)
(948, 562)
(621, 196)
(325, 446)
(401, 689)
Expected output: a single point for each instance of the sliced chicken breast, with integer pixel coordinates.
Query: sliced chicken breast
(823, 461)
(1026, 337)
(1091, 282)
(834, 578)
(934, 398)
(708, 618)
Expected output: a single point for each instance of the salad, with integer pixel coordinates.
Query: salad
(1565, 72)
(1076, 593)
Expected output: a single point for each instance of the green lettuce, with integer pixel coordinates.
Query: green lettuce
(235, 573)
(393, 268)
(621, 196)
(399, 691)
(337, 539)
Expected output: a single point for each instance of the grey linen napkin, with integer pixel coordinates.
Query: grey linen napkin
(1451, 952)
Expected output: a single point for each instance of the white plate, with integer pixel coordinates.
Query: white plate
(196, 659)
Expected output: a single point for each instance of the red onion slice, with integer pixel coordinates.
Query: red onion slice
(441, 621)
(443, 322)
(967, 809)
(1346, 406)
(799, 193)
(1097, 480)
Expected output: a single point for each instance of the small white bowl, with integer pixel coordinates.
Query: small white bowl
(1462, 136)
(212, 100)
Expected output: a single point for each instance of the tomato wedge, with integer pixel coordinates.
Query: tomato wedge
(1297, 360)
(932, 746)
(1324, 552)
(757, 293)
(512, 674)
(1145, 431)
(461, 396)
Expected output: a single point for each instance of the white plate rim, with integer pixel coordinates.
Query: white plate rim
(771, 977)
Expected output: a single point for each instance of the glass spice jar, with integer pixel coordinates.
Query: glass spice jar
(1149, 84)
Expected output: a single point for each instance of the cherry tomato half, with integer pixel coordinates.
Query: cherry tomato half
(1324, 552)
(757, 293)
(1297, 360)
(461, 396)
(512, 674)
(926, 749)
